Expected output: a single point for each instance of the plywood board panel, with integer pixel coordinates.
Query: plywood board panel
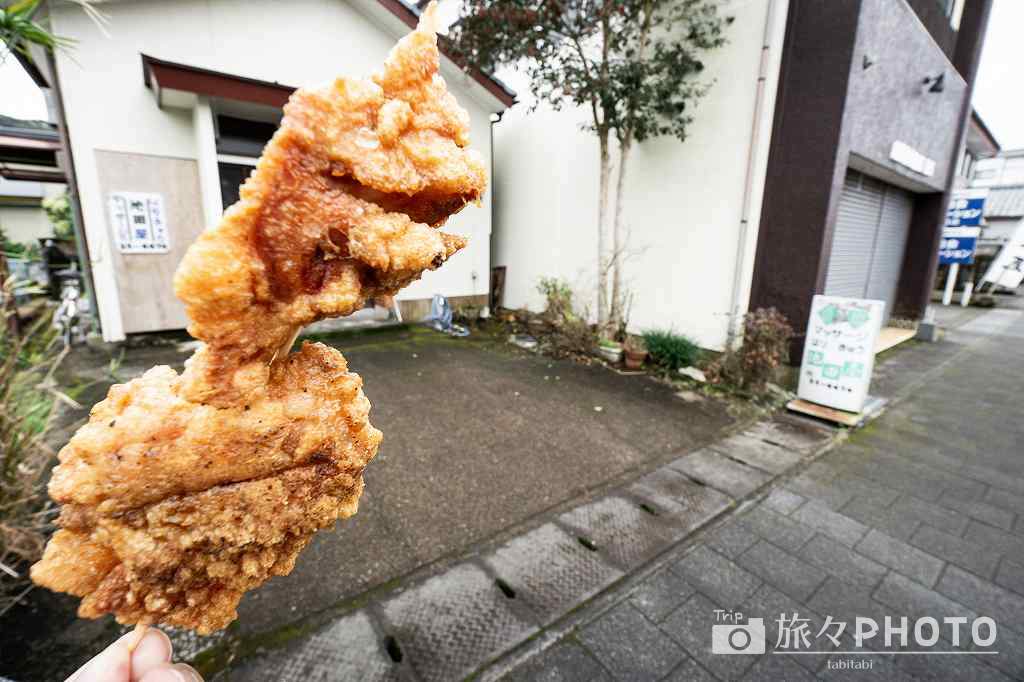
(144, 281)
(890, 337)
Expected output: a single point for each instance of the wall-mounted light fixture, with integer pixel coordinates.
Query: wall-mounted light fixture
(935, 83)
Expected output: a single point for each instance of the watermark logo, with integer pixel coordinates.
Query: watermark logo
(738, 638)
(733, 633)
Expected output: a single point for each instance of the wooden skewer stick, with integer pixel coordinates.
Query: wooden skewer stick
(287, 346)
(137, 634)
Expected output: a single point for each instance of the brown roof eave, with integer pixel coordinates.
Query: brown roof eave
(174, 76)
(977, 120)
(33, 174)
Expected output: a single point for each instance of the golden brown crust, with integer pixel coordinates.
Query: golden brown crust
(153, 537)
(146, 441)
(182, 492)
(340, 209)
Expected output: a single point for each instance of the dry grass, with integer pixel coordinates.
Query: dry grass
(28, 359)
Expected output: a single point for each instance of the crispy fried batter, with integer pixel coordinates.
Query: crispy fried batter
(182, 492)
(146, 442)
(172, 509)
(340, 208)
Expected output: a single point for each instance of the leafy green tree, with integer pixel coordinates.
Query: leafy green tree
(19, 27)
(634, 64)
(58, 212)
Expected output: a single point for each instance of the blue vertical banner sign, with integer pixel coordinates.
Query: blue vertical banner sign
(963, 225)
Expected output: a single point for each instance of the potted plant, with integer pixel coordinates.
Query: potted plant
(609, 350)
(636, 352)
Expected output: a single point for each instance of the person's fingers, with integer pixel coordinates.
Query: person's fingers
(166, 672)
(153, 650)
(113, 664)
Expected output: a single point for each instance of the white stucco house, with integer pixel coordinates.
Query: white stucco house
(178, 100)
(692, 208)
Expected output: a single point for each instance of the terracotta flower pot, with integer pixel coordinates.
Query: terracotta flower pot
(635, 358)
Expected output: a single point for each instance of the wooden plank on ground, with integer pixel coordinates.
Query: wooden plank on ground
(892, 336)
(827, 413)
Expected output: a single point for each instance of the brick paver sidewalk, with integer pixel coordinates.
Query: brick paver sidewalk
(919, 515)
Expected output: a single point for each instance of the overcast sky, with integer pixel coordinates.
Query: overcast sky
(19, 96)
(998, 95)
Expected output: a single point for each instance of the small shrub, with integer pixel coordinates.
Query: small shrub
(558, 296)
(766, 335)
(574, 336)
(58, 212)
(564, 332)
(671, 350)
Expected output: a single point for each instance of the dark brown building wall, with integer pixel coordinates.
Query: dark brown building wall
(933, 15)
(922, 255)
(851, 86)
(802, 182)
(921, 262)
(973, 25)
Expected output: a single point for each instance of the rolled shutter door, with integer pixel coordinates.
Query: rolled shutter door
(860, 205)
(890, 245)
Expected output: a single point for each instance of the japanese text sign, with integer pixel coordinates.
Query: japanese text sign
(966, 208)
(958, 245)
(839, 353)
(960, 235)
(138, 222)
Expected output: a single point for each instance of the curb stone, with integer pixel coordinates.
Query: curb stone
(593, 551)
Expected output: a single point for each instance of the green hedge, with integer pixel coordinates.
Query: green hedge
(671, 350)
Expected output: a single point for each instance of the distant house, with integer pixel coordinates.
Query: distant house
(980, 148)
(178, 102)
(1004, 210)
(1003, 174)
(23, 186)
(1005, 169)
(22, 218)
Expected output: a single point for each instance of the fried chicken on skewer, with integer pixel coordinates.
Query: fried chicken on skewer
(182, 492)
(341, 208)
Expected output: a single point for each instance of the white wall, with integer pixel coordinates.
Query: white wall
(295, 43)
(998, 171)
(999, 230)
(24, 223)
(21, 215)
(683, 200)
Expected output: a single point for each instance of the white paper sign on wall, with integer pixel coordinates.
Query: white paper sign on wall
(138, 222)
(839, 354)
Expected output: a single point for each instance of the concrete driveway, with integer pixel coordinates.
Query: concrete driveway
(478, 438)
